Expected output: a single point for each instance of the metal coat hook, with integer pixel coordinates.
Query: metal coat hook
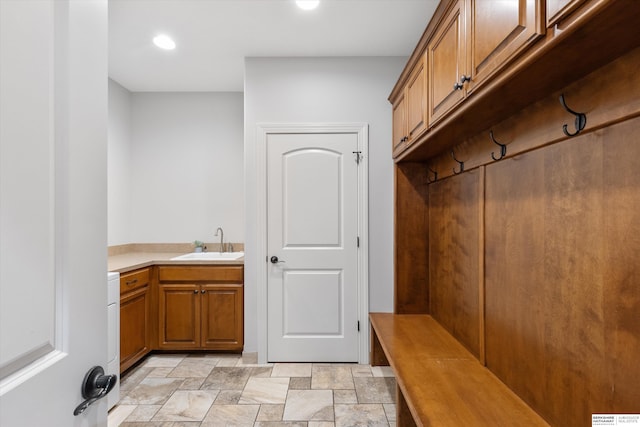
(503, 148)
(581, 119)
(358, 155)
(435, 176)
(459, 162)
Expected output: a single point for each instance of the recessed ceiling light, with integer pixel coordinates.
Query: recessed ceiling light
(307, 4)
(163, 41)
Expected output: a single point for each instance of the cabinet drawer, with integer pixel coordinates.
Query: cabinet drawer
(134, 280)
(208, 274)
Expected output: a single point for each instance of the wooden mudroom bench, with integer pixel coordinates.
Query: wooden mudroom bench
(440, 383)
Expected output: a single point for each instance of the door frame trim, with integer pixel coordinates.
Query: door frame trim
(262, 133)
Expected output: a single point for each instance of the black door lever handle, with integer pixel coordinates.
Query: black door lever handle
(95, 386)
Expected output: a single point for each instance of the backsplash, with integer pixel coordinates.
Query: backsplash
(167, 247)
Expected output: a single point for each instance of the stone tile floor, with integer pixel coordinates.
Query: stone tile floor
(219, 390)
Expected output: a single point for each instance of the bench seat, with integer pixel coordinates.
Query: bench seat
(440, 383)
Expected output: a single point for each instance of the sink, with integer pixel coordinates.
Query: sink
(209, 256)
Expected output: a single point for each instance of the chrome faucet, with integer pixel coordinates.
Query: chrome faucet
(219, 230)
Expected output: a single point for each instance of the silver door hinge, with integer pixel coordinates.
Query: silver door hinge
(358, 156)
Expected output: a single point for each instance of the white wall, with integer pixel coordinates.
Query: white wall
(119, 165)
(313, 90)
(184, 176)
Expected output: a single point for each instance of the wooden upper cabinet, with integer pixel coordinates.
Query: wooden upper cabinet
(446, 53)
(558, 9)
(410, 109)
(497, 31)
(399, 125)
(475, 39)
(416, 102)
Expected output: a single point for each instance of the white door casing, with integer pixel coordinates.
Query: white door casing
(53, 139)
(313, 305)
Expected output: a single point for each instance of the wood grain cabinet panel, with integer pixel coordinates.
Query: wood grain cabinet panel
(179, 315)
(222, 317)
(410, 109)
(416, 102)
(201, 308)
(474, 40)
(134, 317)
(558, 9)
(497, 31)
(446, 53)
(210, 274)
(134, 280)
(399, 125)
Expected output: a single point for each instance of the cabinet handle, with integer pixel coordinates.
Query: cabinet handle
(131, 282)
(195, 291)
(464, 79)
(202, 291)
(457, 86)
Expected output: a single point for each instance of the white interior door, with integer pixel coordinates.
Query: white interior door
(53, 134)
(312, 234)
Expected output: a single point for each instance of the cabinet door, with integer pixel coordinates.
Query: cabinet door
(497, 31)
(179, 316)
(399, 125)
(446, 59)
(558, 9)
(134, 327)
(416, 100)
(222, 317)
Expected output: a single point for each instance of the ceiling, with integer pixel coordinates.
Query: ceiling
(214, 36)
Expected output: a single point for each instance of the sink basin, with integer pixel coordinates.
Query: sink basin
(209, 256)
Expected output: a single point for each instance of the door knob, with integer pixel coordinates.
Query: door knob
(95, 386)
(275, 260)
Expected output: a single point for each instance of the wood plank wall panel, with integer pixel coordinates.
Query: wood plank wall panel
(621, 264)
(411, 240)
(562, 294)
(454, 256)
(514, 259)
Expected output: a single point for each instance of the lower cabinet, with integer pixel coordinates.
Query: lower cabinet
(135, 296)
(181, 308)
(200, 308)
